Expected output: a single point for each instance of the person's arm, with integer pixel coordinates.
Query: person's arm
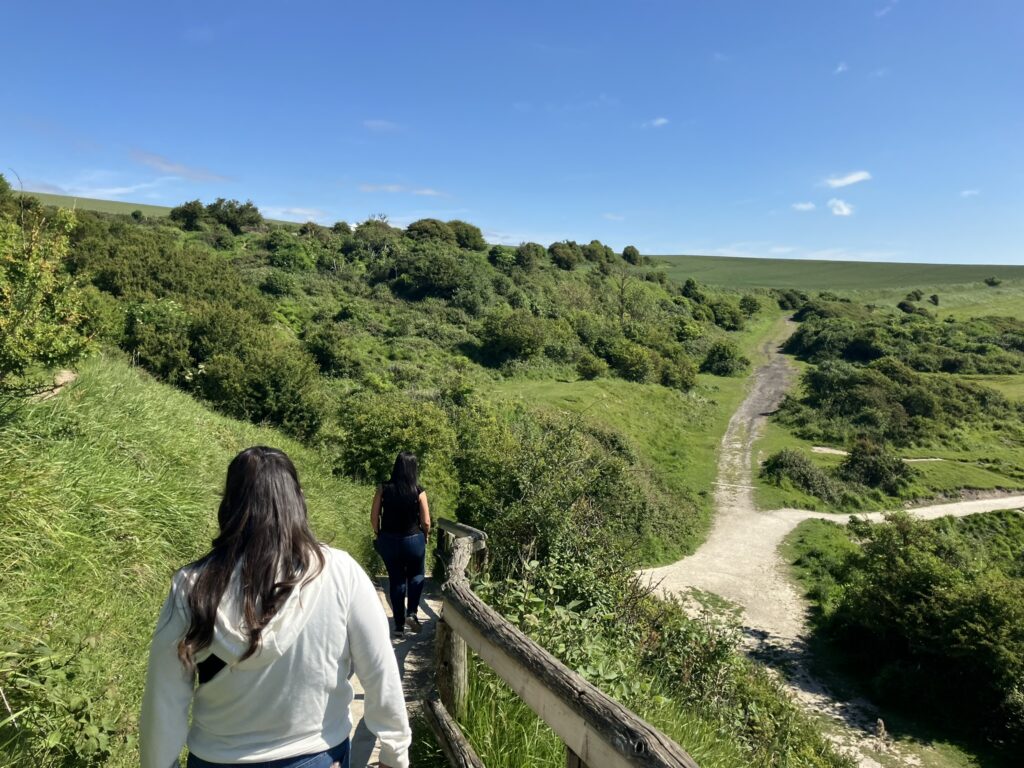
(163, 722)
(375, 512)
(376, 667)
(424, 513)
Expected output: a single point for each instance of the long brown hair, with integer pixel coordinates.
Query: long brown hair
(264, 531)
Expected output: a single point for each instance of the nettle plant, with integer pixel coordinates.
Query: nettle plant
(48, 711)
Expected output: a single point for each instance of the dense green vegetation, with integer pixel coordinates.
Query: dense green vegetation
(930, 615)
(105, 491)
(880, 381)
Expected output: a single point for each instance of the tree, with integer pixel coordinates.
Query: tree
(749, 305)
(565, 254)
(431, 229)
(597, 252)
(468, 236)
(234, 215)
(341, 228)
(631, 254)
(529, 255)
(993, 281)
(189, 215)
(40, 310)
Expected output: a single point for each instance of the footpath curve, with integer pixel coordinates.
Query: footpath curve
(740, 562)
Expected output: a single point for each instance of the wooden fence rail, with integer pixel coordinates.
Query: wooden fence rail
(598, 731)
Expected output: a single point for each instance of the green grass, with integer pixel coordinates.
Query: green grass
(507, 734)
(837, 276)
(1011, 385)
(676, 435)
(103, 206)
(105, 490)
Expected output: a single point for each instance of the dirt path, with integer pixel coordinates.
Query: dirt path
(415, 654)
(740, 562)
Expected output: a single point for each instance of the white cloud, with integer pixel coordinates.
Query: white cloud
(844, 181)
(294, 213)
(399, 188)
(840, 207)
(658, 122)
(162, 164)
(804, 207)
(380, 126)
(970, 192)
(613, 217)
(840, 68)
(885, 11)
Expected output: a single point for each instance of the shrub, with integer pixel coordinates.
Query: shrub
(993, 281)
(678, 372)
(502, 257)
(727, 315)
(288, 252)
(802, 473)
(633, 361)
(188, 215)
(590, 366)
(870, 464)
(565, 254)
(157, 334)
(40, 310)
(234, 215)
(432, 229)
(749, 305)
(631, 254)
(467, 236)
(529, 255)
(724, 359)
(278, 283)
(512, 335)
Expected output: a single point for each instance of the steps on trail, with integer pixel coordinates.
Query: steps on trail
(415, 653)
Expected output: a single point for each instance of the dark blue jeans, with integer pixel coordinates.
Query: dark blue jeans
(404, 557)
(335, 756)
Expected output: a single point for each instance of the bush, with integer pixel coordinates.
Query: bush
(749, 305)
(467, 236)
(158, 336)
(633, 361)
(590, 366)
(870, 464)
(565, 254)
(288, 252)
(727, 315)
(189, 215)
(724, 359)
(234, 215)
(992, 282)
(632, 255)
(40, 309)
(678, 372)
(792, 465)
(529, 255)
(512, 335)
(432, 229)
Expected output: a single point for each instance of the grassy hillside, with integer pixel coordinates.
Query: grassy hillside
(102, 206)
(105, 490)
(840, 276)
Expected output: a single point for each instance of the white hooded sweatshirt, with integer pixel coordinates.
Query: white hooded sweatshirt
(292, 696)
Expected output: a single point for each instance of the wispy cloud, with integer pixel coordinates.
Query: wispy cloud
(658, 122)
(293, 213)
(844, 181)
(613, 217)
(380, 126)
(840, 68)
(720, 57)
(840, 207)
(884, 11)
(402, 188)
(802, 207)
(31, 185)
(781, 250)
(970, 192)
(880, 72)
(162, 164)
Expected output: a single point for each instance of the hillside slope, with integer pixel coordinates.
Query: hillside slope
(104, 491)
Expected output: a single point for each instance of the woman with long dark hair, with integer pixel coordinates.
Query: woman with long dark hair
(260, 637)
(400, 516)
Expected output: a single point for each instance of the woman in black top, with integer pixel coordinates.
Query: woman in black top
(400, 517)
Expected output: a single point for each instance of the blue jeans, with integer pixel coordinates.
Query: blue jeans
(334, 756)
(404, 557)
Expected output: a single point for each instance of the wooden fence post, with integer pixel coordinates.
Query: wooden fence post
(572, 760)
(451, 673)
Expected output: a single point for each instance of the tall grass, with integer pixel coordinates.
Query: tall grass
(104, 491)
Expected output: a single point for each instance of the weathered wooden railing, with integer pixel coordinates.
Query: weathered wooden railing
(598, 732)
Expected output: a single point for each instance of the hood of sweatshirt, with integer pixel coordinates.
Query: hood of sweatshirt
(231, 638)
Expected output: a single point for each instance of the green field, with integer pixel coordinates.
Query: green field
(106, 489)
(838, 276)
(103, 206)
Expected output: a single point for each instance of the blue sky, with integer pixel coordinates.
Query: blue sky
(861, 129)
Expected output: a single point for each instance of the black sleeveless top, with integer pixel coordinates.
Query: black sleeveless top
(399, 513)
